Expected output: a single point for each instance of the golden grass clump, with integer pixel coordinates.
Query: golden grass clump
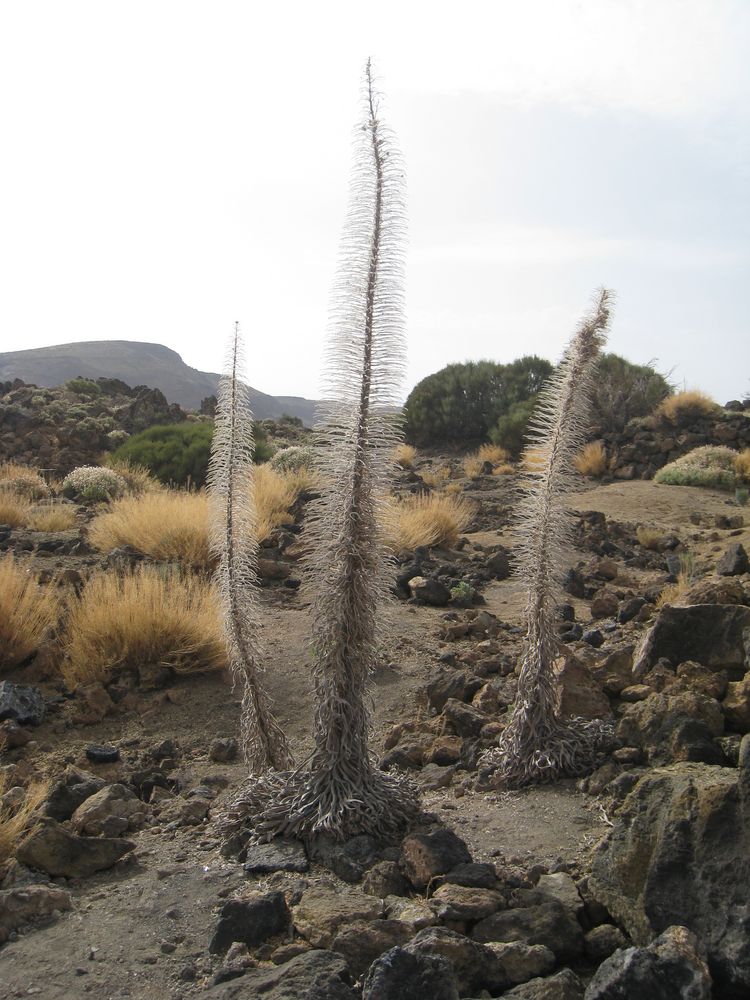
(742, 465)
(436, 478)
(673, 593)
(685, 406)
(504, 469)
(137, 478)
(437, 519)
(404, 455)
(168, 526)
(28, 611)
(493, 453)
(16, 819)
(473, 466)
(649, 538)
(275, 494)
(56, 517)
(591, 460)
(146, 617)
(14, 509)
(23, 480)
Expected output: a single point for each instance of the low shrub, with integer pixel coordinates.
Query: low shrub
(493, 453)
(143, 618)
(649, 538)
(505, 469)
(168, 526)
(434, 519)
(56, 517)
(293, 458)
(472, 465)
(137, 478)
(83, 386)
(28, 612)
(712, 466)
(275, 493)
(92, 484)
(511, 428)
(685, 406)
(591, 460)
(436, 478)
(404, 455)
(23, 480)
(673, 593)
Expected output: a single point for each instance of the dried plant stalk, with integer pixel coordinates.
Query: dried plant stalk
(233, 538)
(538, 745)
(340, 790)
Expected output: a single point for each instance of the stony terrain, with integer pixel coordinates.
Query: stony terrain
(123, 890)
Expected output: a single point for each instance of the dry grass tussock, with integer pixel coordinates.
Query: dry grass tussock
(275, 494)
(493, 453)
(473, 466)
(146, 617)
(14, 509)
(504, 469)
(742, 465)
(404, 455)
(649, 538)
(437, 519)
(17, 812)
(673, 593)
(28, 612)
(55, 517)
(685, 406)
(23, 480)
(137, 478)
(436, 478)
(168, 526)
(591, 460)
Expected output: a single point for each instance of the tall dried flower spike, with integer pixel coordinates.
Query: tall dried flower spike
(537, 745)
(233, 540)
(340, 790)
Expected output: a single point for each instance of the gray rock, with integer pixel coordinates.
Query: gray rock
(315, 975)
(250, 920)
(445, 684)
(282, 854)
(25, 705)
(680, 853)
(601, 941)
(322, 911)
(548, 923)
(673, 967)
(399, 973)
(668, 726)
(716, 635)
(222, 750)
(734, 562)
(29, 903)
(385, 879)
(428, 590)
(362, 942)
(53, 849)
(424, 855)
(109, 812)
(348, 859)
(70, 791)
(564, 985)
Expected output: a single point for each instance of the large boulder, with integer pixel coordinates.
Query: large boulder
(250, 920)
(51, 848)
(26, 904)
(547, 923)
(716, 635)
(23, 704)
(673, 967)
(673, 726)
(429, 853)
(679, 853)
(322, 911)
(314, 975)
(400, 973)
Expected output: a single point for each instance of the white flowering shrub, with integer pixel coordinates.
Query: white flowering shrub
(90, 483)
(293, 459)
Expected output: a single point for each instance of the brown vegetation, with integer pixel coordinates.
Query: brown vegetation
(591, 460)
(685, 406)
(437, 519)
(27, 612)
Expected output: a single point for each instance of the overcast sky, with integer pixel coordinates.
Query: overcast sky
(169, 167)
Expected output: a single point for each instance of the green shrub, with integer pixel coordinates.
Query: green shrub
(510, 430)
(83, 386)
(92, 484)
(293, 458)
(178, 453)
(622, 391)
(463, 402)
(712, 466)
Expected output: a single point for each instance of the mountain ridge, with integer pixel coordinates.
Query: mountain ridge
(137, 363)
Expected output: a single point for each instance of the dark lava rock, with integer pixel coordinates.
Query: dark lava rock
(671, 727)
(70, 792)
(564, 985)
(25, 705)
(53, 849)
(250, 921)
(474, 875)
(499, 564)
(673, 967)
(716, 635)
(428, 590)
(348, 859)
(593, 637)
(549, 923)
(424, 855)
(574, 583)
(679, 853)
(399, 974)
(102, 754)
(444, 684)
(733, 562)
(222, 750)
(629, 609)
(282, 854)
(314, 975)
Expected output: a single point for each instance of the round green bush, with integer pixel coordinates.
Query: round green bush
(712, 466)
(92, 484)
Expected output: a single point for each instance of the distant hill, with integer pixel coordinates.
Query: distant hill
(137, 363)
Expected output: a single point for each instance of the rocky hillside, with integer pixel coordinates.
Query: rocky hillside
(137, 363)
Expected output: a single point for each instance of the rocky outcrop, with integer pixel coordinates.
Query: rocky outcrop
(716, 635)
(680, 854)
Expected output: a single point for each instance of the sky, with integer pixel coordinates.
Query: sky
(167, 168)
